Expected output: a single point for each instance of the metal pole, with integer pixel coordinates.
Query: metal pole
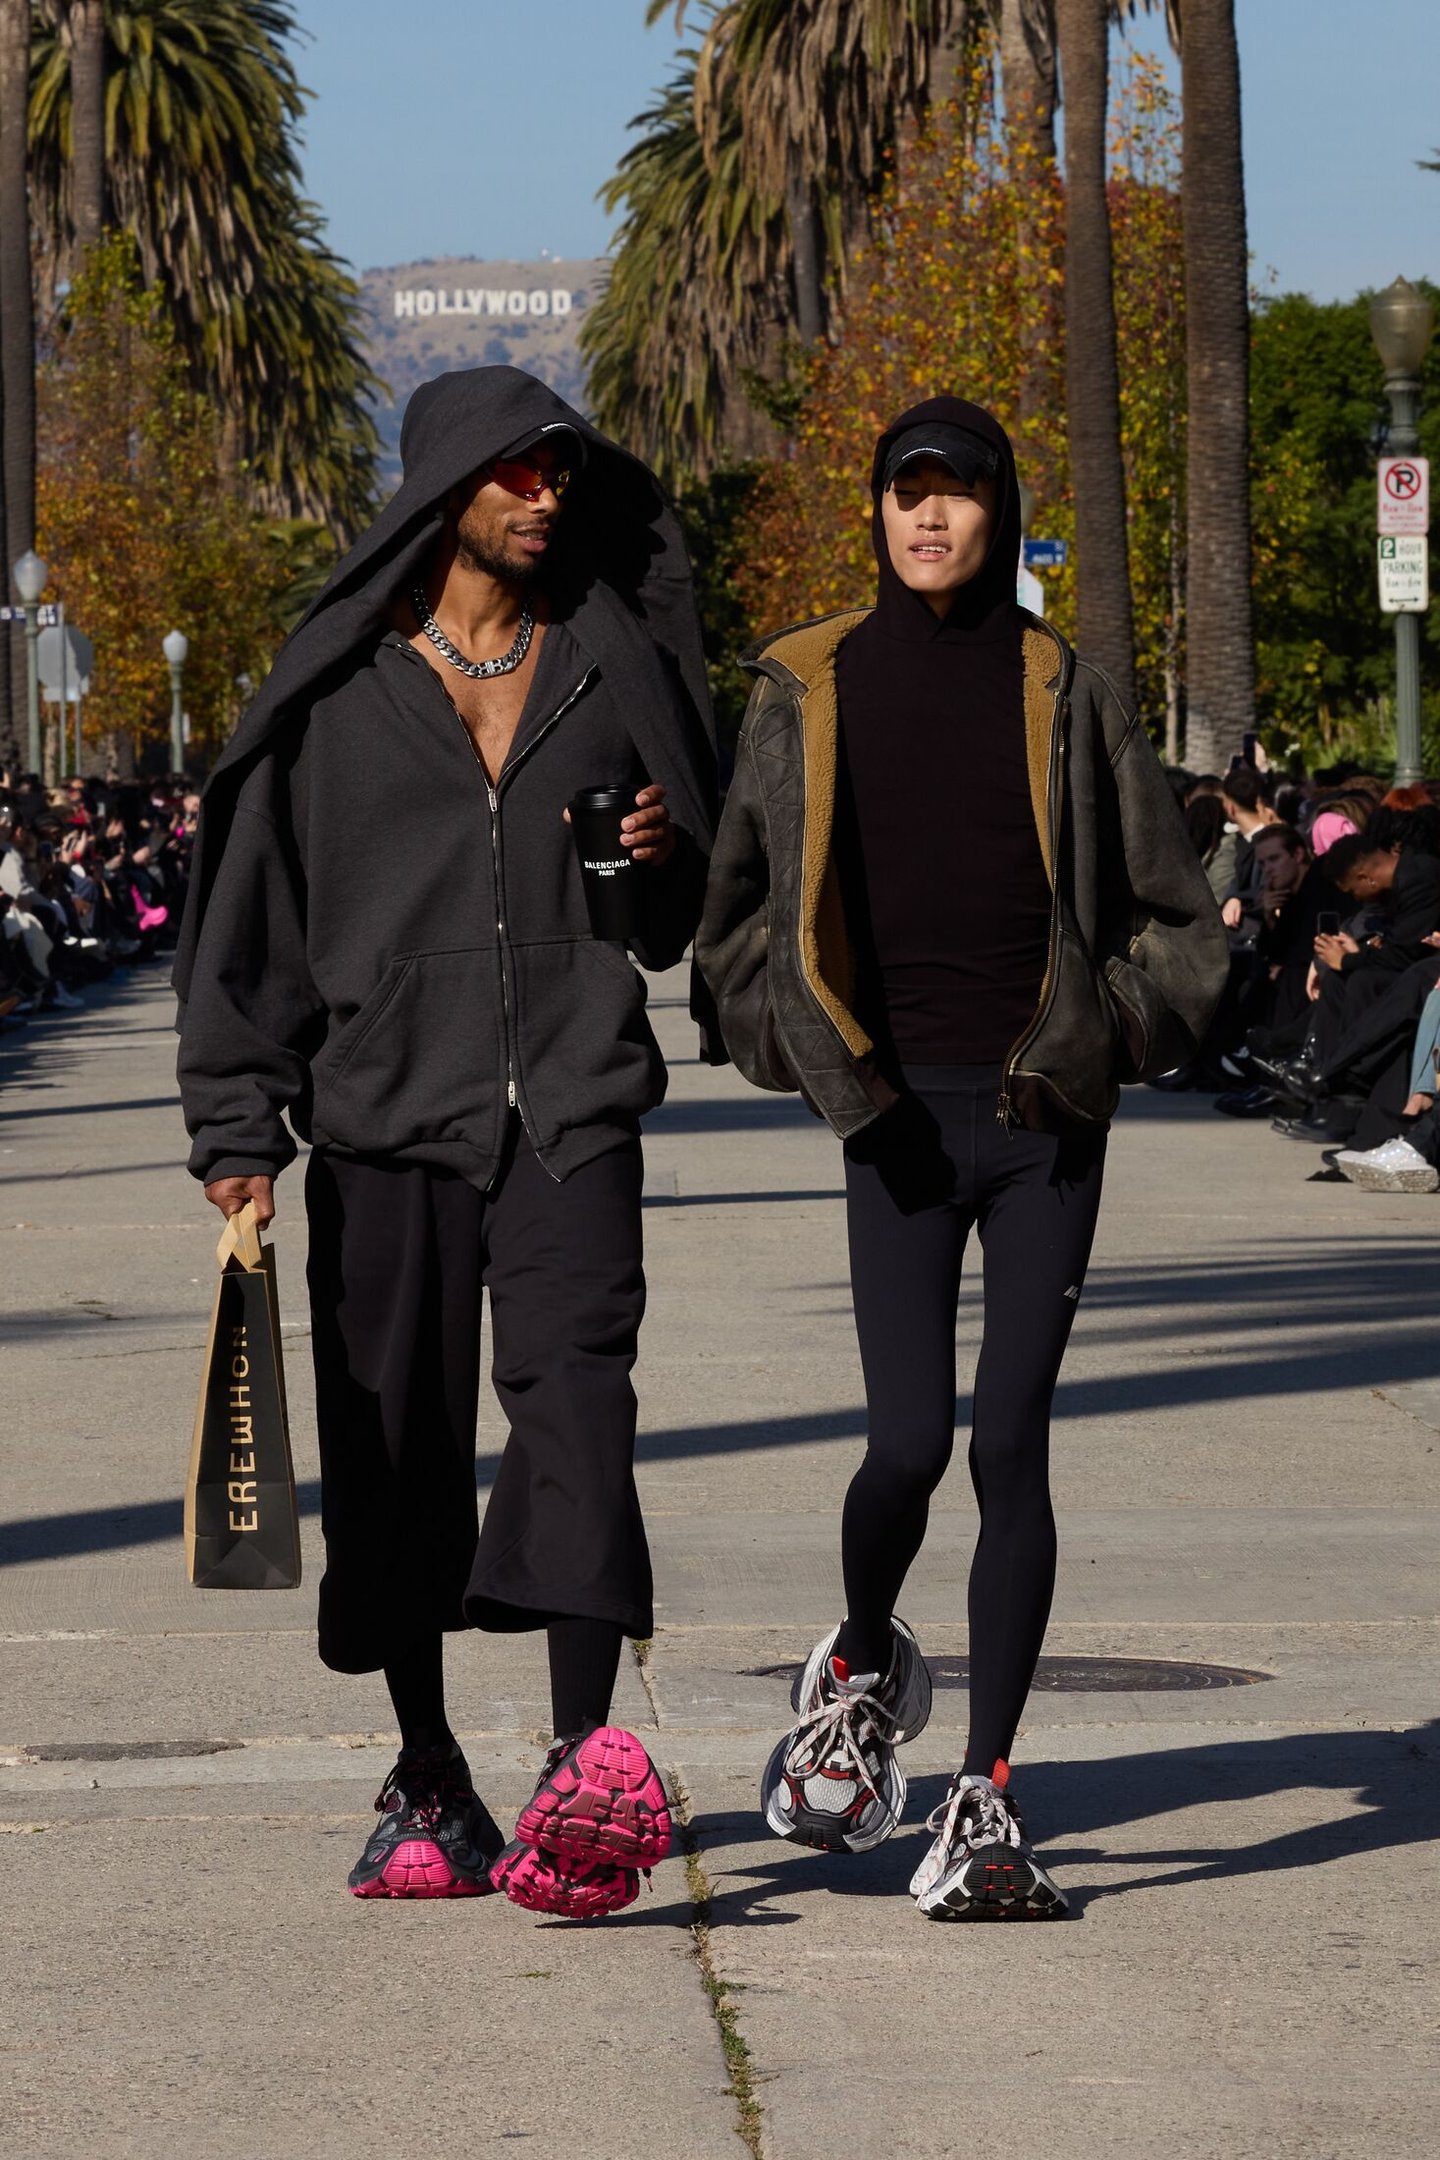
(1403, 391)
(177, 717)
(79, 703)
(63, 733)
(32, 684)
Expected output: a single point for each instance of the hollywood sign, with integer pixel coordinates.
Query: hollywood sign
(475, 300)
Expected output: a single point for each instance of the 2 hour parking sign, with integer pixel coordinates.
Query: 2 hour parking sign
(1404, 574)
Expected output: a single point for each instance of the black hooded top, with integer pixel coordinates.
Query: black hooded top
(619, 561)
(945, 882)
(381, 944)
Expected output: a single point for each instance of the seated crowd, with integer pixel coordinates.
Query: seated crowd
(1330, 1023)
(1329, 1026)
(93, 876)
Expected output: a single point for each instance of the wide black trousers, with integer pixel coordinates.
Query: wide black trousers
(399, 1256)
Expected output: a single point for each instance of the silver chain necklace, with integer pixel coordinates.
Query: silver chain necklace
(505, 665)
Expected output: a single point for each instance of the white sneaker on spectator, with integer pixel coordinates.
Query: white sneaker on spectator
(1395, 1166)
(67, 1000)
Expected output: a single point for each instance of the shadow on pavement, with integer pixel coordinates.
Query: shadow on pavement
(93, 1109)
(1391, 1778)
(729, 1113)
(1375, 1357)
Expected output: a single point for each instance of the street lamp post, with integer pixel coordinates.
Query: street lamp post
(30, 575)
(176, 649)
(1401, 320)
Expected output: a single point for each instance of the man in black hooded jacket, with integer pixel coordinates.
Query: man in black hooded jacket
(388, 942)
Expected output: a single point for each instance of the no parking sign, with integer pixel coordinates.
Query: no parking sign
(1404, 495)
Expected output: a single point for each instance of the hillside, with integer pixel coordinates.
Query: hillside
(453, 312)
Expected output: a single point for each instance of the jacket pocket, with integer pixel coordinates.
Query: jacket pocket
(585, 1053)
(422, 1060)
(1143, 1019)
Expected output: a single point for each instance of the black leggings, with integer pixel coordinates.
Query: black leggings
(916, 1182)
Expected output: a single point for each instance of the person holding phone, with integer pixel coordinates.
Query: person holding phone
(957, 980)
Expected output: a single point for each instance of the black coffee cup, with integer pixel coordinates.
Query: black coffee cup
(609, 872)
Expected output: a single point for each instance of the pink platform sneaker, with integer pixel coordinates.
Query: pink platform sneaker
(599, 1798)
(599, 1816)
(435, 1837)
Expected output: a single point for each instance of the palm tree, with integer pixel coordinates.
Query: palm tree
(696, 294)
(1025, 31)
(1106, 617)
(81, 28)
(201, 104)
(817, 88)
(1220, 674)
(17, 336)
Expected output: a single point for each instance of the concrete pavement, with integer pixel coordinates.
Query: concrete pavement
(1245, 1470)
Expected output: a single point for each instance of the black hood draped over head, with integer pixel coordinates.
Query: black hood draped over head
(618, 569)
(905, 657)
(987, 603)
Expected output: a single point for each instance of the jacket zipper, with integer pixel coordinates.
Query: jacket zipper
(1005, 1109)
(512, 1082)
(511, 1095)
(492, 794)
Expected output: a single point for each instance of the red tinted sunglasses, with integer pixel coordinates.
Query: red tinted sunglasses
(527, 481)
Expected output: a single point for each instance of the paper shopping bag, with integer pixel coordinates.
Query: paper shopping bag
(242, 1526)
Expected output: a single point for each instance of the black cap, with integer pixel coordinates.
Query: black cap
(968, 456)
(567, 440)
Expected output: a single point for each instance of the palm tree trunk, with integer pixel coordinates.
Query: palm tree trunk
(805, 261)
(1092, 380)
(17, 324)
(1220, 666)
(1027, 82)
(1027, 89)
(82, 26)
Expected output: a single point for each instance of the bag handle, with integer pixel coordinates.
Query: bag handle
(240, 1241)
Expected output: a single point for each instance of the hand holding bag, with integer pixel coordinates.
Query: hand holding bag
(242, 1526)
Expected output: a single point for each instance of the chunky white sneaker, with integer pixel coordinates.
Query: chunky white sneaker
(1394, 1167)
(981, 1866)
(833, 1781)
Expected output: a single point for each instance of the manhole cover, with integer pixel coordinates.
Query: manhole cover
(122, 1750)
(1078, 1675)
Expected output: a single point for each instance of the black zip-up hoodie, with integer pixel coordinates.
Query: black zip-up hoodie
(380, 944)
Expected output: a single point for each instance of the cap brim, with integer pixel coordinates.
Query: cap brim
(574, 441)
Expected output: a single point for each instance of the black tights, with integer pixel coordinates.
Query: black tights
(916, 1183)
(584, 1659)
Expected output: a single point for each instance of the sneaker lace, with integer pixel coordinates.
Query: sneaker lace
(992, 1819)
(425, 1790)
(841, 1726)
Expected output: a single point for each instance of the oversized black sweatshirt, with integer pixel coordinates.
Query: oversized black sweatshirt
(393, 952)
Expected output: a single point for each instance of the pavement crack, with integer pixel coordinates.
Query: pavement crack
(749, 2120)
(642, 1647)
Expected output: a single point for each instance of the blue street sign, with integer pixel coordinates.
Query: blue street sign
(1046, 554)
(47, 616)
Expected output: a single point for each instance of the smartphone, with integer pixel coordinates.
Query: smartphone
(1327, 923)
(1252, 745)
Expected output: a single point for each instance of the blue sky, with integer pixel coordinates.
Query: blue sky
(479, 127)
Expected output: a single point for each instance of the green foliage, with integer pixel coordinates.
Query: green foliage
(202, 104)
(1325, 653)
(714, 513)
(142, 531)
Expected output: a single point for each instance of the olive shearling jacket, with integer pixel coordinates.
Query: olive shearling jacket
(1138, 955)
